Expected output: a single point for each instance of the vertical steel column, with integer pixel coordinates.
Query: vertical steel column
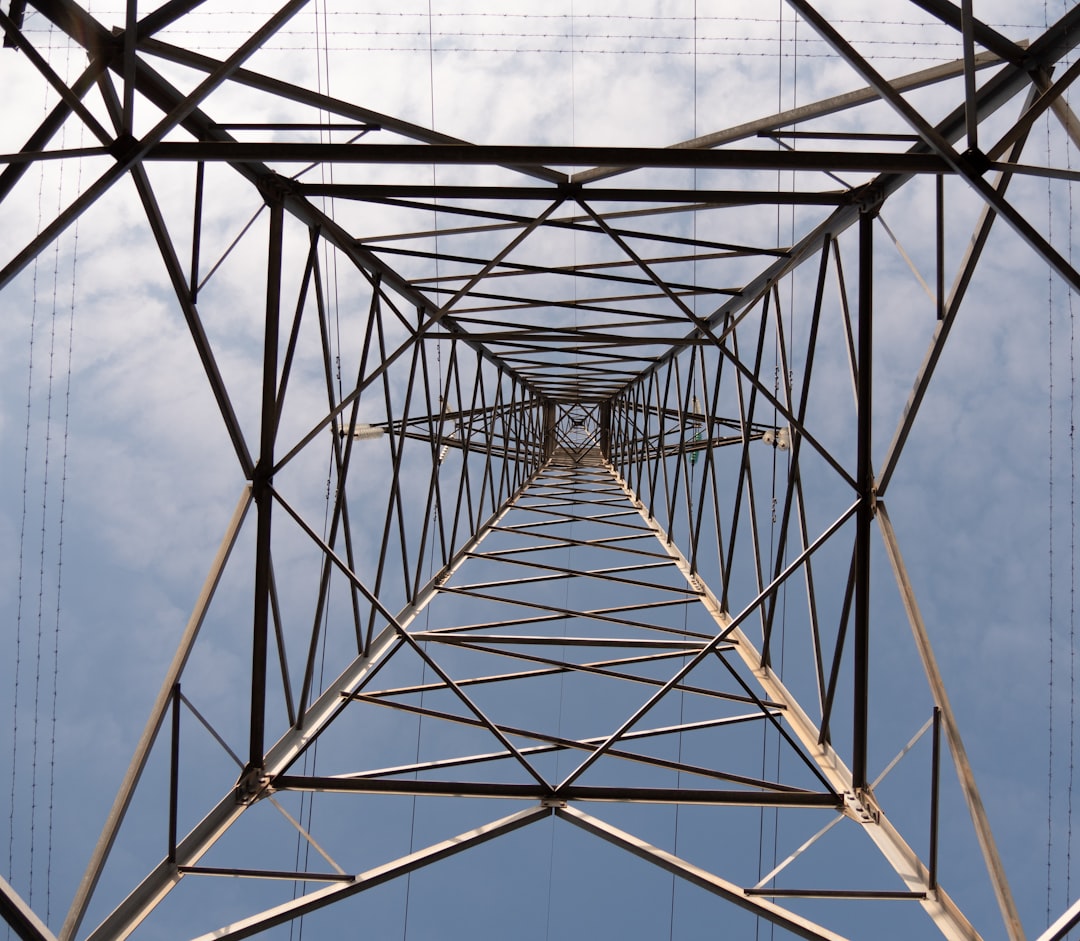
(550, 420)
(262, 478)
(174, 772)
(864, 516)
(196, 230)
(939, 235)
(935, 790)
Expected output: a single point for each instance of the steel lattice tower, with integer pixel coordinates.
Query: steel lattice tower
(605, 547)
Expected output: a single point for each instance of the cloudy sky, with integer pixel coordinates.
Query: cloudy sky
(119, 478)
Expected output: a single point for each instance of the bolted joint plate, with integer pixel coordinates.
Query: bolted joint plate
(861, 806)
(254, 784)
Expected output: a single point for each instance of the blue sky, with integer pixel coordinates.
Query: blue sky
(149, 479)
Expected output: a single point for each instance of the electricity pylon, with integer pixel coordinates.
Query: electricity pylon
(607, 494)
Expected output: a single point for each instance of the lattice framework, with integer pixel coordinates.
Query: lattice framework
(523, 352)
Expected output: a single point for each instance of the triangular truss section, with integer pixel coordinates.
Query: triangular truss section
(563, 471)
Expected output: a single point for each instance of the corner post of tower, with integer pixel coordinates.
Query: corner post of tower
(550, 420)
(262, 492)
(605, 430)
(865, 487)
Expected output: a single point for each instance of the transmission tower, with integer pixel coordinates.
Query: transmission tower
(600, 623)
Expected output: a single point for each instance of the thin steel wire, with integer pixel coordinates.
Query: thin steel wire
(1072, 544)
(431, 559)
(307, 801)
(60, 562)
(17, 665)
(1050, 538)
